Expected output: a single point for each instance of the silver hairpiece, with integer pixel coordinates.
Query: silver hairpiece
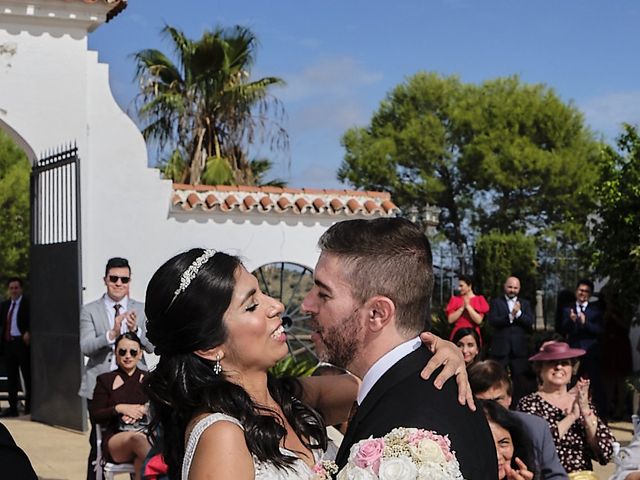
(191, 272)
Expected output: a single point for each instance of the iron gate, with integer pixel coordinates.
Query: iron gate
(55, 279)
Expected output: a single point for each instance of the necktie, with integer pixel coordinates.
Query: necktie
(117, 308)
(7, 323)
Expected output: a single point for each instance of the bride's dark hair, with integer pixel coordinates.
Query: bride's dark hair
(183, 384)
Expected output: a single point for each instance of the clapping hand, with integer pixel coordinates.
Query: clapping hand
(572, 315)
(582, 395)
(582, 319)
(521, 473)
(132, 323)
(117, 325)
(466, 301)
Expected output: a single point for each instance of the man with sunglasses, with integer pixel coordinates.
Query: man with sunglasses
(101, 322)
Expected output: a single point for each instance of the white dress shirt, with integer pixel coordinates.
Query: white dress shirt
(109, 303)
(511, 303)
(384, 363)
(581, 307)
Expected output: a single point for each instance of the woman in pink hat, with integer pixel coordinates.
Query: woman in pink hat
(580, 436)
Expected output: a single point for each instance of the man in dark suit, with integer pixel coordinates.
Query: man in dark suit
(512, 320)
(583, 324)
(490, 381)
(16, 337)
(373, 284)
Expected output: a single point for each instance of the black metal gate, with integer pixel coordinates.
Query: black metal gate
(55, 280)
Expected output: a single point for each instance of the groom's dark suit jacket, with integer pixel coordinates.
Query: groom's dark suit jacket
(401, 398)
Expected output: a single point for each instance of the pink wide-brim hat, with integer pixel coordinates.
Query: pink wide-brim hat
(557, 351)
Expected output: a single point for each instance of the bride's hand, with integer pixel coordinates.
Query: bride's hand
(449, 356)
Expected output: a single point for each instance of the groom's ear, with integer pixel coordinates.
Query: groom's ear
(381, 312)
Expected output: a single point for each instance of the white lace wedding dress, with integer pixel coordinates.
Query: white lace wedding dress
(263, 471)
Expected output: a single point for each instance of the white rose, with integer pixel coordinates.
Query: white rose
(351, 472)
(427, 451)
(397, 468)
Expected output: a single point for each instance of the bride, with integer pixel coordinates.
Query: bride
(219, 411)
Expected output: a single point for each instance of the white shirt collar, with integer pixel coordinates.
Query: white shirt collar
(384, 363)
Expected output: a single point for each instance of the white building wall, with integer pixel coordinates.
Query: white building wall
(53, 91)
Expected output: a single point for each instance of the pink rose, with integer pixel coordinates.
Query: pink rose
(369, 454)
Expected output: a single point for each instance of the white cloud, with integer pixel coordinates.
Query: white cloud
(338, 76)
(335, 116)
(607, 112)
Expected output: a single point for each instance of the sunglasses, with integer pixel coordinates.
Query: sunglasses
(114, 279)
(123, 351)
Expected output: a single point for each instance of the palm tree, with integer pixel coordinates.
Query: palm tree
(205, 109)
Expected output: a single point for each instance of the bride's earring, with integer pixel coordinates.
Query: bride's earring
(217, 368)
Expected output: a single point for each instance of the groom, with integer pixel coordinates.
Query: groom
(373, 284)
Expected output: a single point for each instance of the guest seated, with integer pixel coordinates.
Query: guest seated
(119, 406)
(468, 341)
(490, 381)
(513, 447)
(580, 436)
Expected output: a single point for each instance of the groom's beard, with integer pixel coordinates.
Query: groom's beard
(342, 341)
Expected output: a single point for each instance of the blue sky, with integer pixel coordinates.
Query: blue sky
(341, 57)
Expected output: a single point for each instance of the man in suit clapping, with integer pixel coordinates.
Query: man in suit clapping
(512, 320)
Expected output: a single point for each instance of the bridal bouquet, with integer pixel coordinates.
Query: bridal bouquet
(402, 454)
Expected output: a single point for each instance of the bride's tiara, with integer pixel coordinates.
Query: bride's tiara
(190, 273)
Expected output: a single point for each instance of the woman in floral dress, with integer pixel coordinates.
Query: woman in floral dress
(579, 434)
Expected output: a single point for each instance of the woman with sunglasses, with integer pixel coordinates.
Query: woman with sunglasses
(221, 413)
(580, 436)
(119, 406)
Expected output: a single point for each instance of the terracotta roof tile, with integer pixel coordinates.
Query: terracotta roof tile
(284, 203)
(371, 206)
(302, 204)
(276, 200)
(249, 202)
(211, 201)
(193, 200)
(354, 206)
(231, 201)
(336, 205)
(266, 203)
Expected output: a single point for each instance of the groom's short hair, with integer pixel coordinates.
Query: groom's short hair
(389, 257)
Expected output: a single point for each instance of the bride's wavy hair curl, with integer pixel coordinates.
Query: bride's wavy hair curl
(183, 384)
